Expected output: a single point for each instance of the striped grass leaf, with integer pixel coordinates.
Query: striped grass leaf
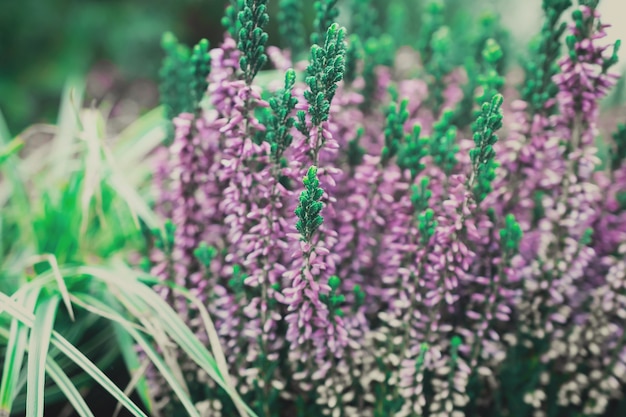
(39, 341)
(65, 385)
(16, 348)
(96, 306)
(143, 299)
(133, 363)
(27, 318)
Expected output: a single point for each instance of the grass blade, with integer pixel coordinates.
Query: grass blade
(67, 387)
(138, 295)
(155, 358)
(63, 383)
(58, 276)
(131, 359)
(18, 343)
(74, 354)
(39, 342)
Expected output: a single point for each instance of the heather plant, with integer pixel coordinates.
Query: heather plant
(382, 241)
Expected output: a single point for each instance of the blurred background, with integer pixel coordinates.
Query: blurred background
(114, 45)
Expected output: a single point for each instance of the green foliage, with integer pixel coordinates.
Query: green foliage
(542, 66)
(281, 121)
(334, 300)
(252, 38)
(230, 20)
(359, 297)
(354, 54)
(326, 13)
(412, 152)
(310, 206)
(464, 110)
(183, 75)
(420, 195)
(489, 27)
(377, 52)
(585, 27)
(364, 18)
(356, 152)
(205, 254)
(74, 320)
(483, 156)
(175, 77)
(10, 149)
(442, 143)
(490, 80)
(426, 224)
(510, 236)
(200, 69)
(394, 130)
(433, 21)
(619, 155)
(325, 70)
(438, 67)
(291, 26)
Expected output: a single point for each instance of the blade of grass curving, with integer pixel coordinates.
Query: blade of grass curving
(98, 307)
(58, 276)
(137, 377)
(45, 315)
(16, 348)
(68, 123)
(133, 363)
(136, 204)
(10, 149)
(92, 122)
(64, 384)
(68, 388)
(17, 189)
(140, 139)
(75, 355)
(137, 293)
(211, 332)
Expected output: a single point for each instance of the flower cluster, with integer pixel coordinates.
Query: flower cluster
(365, 250)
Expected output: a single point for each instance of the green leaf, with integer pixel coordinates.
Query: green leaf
(16, 348)
(74, 354)
(39, 342)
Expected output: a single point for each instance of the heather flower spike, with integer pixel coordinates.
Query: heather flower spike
(394, 130)
(174, 77)
(433, 21)
(539, 88)
(280, 122)
(363, 16)
(200, 69)
(354, 54)
(325, 70)
(326, 12)
(252, 39)
(291, 26)
(483, 155)
(421, 195)
(413, 151)
(230, 20)
(510, 236)
(439, 67)
(310, 206)
(442, 144)
(491, 81)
